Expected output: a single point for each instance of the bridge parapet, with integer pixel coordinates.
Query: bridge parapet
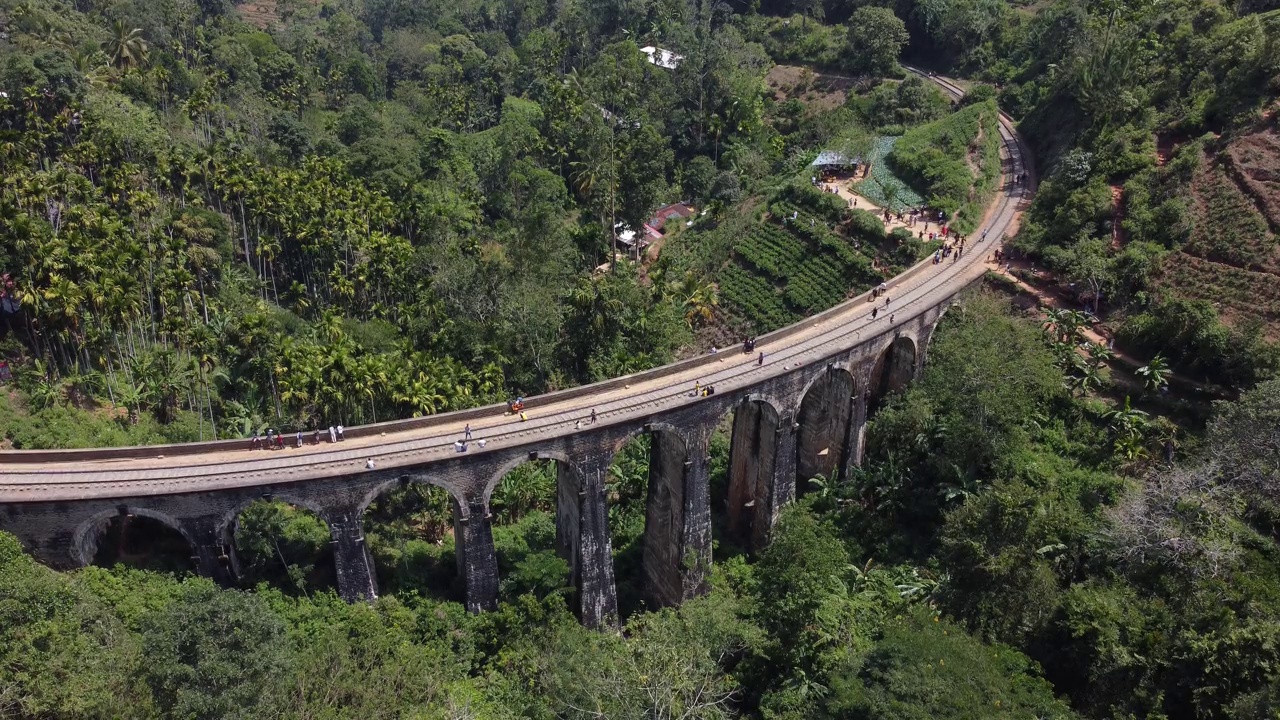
(802, 410)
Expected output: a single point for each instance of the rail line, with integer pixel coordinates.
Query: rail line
(38, 476)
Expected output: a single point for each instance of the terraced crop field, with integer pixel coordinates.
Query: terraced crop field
(1232, 258)
(793, 264)
(873, 187)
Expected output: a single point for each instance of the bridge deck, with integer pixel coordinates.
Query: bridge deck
(75, 475)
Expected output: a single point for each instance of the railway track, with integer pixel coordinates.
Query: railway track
(42, 476)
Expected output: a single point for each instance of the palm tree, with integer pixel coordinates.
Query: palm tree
(1087, 378)
(126, 48)
(717, 126)
(1155, 374)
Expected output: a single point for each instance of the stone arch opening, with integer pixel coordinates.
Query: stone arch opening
(823, 439)
(742, 492)
(533, 517)
(138, 538)
(408, 527)
(645, 488)
(893, 371)
(282, 544)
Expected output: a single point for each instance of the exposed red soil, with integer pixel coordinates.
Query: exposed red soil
(1254, 163)
(1117, 217)
(818, 91)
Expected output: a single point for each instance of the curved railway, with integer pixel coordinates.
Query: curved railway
(52, 476)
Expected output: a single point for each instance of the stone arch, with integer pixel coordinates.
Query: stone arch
(825, 413)
(89, 532)
(226, 525)
(475, 512)
(895, 367)
(326, 570)
(563, 463)
(755, 440)
(420, 571)
(399, 481)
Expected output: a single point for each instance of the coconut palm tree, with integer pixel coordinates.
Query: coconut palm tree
(126, 48)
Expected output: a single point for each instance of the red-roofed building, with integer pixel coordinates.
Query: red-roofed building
(678, 211)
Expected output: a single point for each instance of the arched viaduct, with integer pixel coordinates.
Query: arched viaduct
(800, 413)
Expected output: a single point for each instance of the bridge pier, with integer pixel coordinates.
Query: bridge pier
(212, 551)
(779, 489)
(677, 528)
(695, 547)
(477, 561)
(856, 433)
(582, 539)
(593, 575)
(356, 577)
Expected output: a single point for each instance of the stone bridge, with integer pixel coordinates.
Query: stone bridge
(798, 414)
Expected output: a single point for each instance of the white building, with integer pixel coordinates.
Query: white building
(662, 58)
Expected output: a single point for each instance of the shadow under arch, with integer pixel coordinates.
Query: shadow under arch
(87, 539)
(648, 481)
(894, 369)
(823, 439)
(409, 525)
(743, 493)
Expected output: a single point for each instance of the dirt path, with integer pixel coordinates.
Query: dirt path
(1117, 217)
(1048, 298)
(842, 189)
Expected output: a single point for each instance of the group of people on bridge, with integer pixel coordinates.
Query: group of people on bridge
(275, 440)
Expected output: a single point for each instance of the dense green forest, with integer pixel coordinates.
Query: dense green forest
(218, 218)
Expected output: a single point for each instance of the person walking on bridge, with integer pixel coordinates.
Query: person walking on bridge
(874, 311)
(333, 435)
(270, 438)
(761, 360)
(280, 440)
(593, 415)
(299, 439)
(466, 431)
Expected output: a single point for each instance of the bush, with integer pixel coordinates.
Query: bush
(924, 669)
(953, 162)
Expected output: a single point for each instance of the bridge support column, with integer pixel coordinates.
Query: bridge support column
(780, 488)
(356, 577)
(593, 576)
(677, 528)
(582, 539)
(695, 555)
(477, 561)
(212, 551)
(856, 437)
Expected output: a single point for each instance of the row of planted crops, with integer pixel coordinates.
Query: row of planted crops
(793, 265)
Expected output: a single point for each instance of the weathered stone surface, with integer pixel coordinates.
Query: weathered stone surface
(823, 436)
(57, 502)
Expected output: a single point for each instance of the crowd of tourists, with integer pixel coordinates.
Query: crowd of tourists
(276, 440)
